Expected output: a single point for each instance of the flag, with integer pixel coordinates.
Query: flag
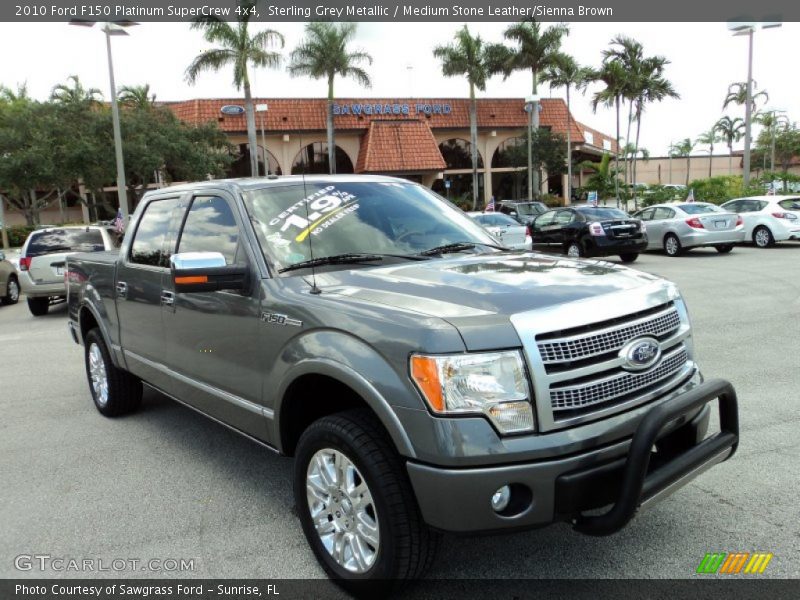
(119, 222)
(490, 207)
(690, 197)
(592, 198)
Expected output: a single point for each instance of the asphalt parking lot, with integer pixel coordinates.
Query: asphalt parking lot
(167, 483)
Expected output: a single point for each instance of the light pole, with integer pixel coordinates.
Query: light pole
(748, 29)
(115, 29)
(531, 103)
(262, 108)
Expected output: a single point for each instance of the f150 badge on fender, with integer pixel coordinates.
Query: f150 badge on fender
(277, 319)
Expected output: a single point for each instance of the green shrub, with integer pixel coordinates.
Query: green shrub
(722, 188)
(552, 200)
(17, 234)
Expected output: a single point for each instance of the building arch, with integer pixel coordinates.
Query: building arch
(240, 167)
(457, 153)
(512, 153)
(313, 159)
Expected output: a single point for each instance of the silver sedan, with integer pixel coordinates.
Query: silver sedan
(680, 226)
(505, 229)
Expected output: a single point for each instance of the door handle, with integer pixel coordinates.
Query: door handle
(167, 298)
(122, 289)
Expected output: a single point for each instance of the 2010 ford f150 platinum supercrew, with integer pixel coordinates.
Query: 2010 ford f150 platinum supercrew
(424, 379)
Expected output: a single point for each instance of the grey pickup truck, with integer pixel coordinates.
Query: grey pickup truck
(424, 379)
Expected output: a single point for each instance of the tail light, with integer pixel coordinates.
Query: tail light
(784, 215)
(739, 220)
(25, 263)
(528, 231)
(596, 229)
(695, 223)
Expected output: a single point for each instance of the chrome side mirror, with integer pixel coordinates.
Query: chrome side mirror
(207, 272)
(191, 261)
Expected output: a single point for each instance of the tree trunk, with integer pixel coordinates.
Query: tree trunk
(625, 161)
(473, 138)
(533, 174)
(730, 158)
(331, 134)
(710, 158)
(3, 232)
(32, 211)
(569, 151)
(252, 143)
(688, 168)
(616, 158)
(636, 149)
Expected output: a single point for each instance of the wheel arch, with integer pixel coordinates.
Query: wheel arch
(89, 319)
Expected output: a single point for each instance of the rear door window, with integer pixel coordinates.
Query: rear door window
(663, 213)
(147, 247)
(64, 240)
(790, 204)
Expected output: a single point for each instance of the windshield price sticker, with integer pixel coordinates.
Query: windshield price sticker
(316, 212)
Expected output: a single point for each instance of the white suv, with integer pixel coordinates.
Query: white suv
(768, 219)
(43, 258)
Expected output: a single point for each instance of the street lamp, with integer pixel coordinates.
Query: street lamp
(262, 108)
(531, 104)
(114, 29)
(748, 28)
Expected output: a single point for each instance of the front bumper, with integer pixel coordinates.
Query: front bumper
(626, 473)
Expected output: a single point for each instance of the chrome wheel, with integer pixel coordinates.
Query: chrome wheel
(342, 510)
(13, 291)
(98, 375)
(574, 251)
(763, 237)
(671, 245)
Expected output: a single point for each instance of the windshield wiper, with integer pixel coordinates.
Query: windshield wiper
(341, 259)
(457, 247)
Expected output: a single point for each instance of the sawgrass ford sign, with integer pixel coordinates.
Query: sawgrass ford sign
(394, 108)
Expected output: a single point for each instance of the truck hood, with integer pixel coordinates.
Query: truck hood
(479, 286)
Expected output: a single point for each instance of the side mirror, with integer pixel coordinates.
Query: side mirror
(206, 272)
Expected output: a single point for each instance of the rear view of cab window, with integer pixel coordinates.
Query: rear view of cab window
(65, 240)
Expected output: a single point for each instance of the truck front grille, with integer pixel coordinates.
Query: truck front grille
(616, 385)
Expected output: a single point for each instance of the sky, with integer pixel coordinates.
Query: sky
(704, 59)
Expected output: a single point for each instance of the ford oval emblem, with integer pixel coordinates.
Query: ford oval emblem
(640, 353)
(232, 109)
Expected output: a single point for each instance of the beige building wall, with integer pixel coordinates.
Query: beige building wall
(657, 170)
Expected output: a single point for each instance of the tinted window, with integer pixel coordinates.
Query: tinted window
(210, 227)
(734, 206)
(564, 216)
(147, 247)
(545, 219)
(663, 213)
(599, 212)
(698, 209)
(646, 214)
(65, 240)
(503, 220)
(790, 204)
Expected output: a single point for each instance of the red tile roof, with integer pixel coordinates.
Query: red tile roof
(290, 114)
(598, 138)
(394, 146)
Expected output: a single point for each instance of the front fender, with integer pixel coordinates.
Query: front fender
(347, 359)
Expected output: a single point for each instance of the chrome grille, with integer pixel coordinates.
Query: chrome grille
(586, 346)
(595, 392)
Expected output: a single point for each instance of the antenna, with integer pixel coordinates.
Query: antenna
(314, 289)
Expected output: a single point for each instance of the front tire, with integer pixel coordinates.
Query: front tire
(672, 245)
(38, 306)
(628, 257)
(356, 505)
(12, 291)
(115, 392)
(724, 249)
(762, 237)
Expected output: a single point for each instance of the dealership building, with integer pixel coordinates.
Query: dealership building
(424, 140)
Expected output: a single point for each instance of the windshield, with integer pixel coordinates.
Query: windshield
(599, 212)
(699, 209)
(528, 210)
(337, 218)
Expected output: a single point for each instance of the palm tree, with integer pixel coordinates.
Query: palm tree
(683, 149)
(535, 51)
(737, 94)
(469, 57)
(605, 179)
(567, 73)
(709, 138)
(137, 96)
(75, 94)
(9, 95)
(324, 54)
(731, 130)
(237, 48)
(612, 73)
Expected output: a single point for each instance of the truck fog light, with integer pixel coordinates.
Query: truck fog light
(501, 498)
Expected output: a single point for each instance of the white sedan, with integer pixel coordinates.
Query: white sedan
(768, 219)
(506, 230)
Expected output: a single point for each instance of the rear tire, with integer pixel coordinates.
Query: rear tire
(38, 306)
(574, 250)
(724, 249)
(628, 257)
(762, 237)
(12, 291)
(371, 522)
(672, 245)
(115, 392)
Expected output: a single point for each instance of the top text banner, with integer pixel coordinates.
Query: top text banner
(746, 11)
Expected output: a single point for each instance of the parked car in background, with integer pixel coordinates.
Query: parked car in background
(768, 219)
(524, 211)
(591, 231)
(43, 258)
(9, 281)
(507, 231)
(676, 227)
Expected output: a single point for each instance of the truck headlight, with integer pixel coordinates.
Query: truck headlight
(492, 383)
